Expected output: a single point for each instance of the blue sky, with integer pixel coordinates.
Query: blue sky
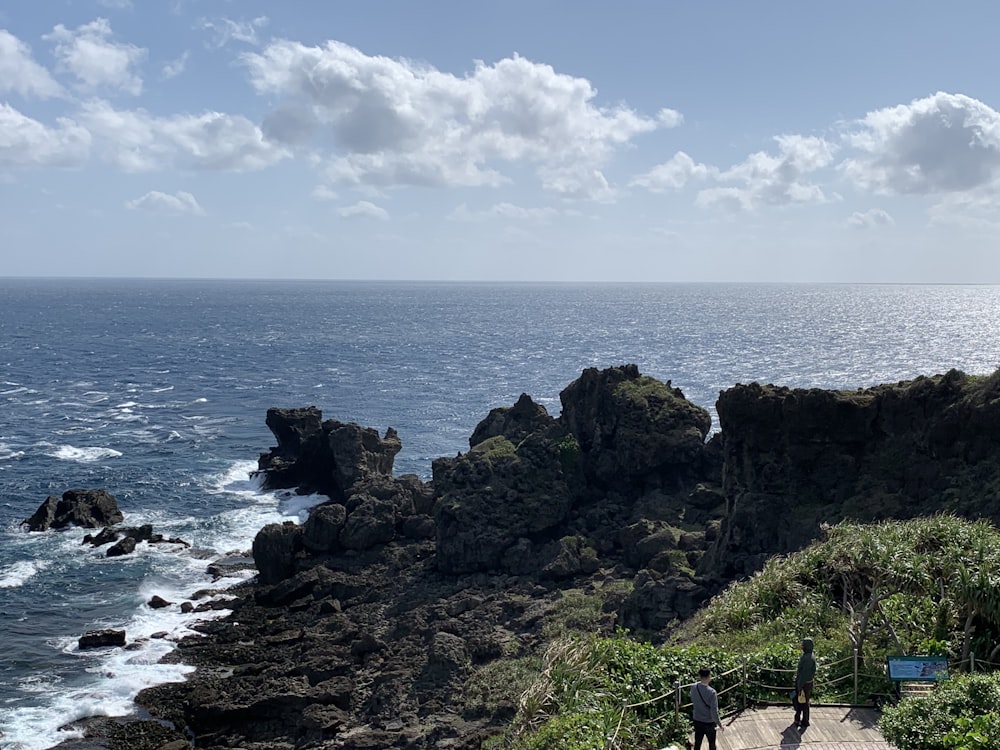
(566, 141)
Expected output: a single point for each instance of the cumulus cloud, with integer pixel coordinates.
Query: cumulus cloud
(673, 174)
(165, 203)
(396, 122)
(226, 30)
(773, 180)
(503, 211)
(175, 67)
(25, 142)
(98, 62)
(941, 143)
(364, 209)
(873, 217)
(136, 141)
(20, 73)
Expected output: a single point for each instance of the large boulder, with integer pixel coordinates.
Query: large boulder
(91, 509)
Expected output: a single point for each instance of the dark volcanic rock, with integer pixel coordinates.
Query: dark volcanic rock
(369, 625)
(325, 457)
(634, 432)
(801, 458)
(91, 509)
(101, 639)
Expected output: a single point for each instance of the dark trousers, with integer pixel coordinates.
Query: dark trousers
(803, 708)
(704, 729)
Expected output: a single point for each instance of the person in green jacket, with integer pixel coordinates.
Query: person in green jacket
(805, 676)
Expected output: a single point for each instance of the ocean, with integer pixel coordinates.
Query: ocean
(157, 391)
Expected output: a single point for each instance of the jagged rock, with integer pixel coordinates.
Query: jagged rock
(101, 639)
(801, 458)
(634, 430)
(494, 495)
(91, 509)
(326, 457)
(514, 423)
(124, 546)
(158, 602)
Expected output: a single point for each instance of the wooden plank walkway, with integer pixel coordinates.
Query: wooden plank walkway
(830, 728)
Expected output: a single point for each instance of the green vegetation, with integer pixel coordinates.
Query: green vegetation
(963, 713)
(644, 388)
(569, 454)
(494, 448)
(930, 585)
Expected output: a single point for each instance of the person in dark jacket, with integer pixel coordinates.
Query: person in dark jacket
(705, 710)
(805, 676)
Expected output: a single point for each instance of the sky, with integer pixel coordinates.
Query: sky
(564, 140)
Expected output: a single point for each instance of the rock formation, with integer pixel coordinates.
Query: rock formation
(91, 509)
(377, 623)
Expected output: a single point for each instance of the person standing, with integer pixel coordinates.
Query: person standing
(805, 676)
(705, 710)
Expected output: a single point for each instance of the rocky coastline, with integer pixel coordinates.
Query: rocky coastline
(377, 623)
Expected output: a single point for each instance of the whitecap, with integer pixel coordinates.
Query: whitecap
(84, 455)
(9, 454)
(127, 405)
(12, 576)
(13, 391)
(200, 401)
(161, 390)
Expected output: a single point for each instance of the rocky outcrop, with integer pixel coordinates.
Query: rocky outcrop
(801, 458)
(91, 509)
(377, 622)
(323, 457)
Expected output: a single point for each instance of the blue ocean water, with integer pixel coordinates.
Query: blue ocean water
(157, 392)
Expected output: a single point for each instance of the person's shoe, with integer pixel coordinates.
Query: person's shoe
(803, 725)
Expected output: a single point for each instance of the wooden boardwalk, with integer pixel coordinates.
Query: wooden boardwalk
(830, 728)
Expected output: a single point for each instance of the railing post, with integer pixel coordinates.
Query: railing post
(744, 684)
(677, 697)
(855, 677)
(972, 662)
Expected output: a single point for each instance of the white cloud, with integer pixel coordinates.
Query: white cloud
(503, 211)
(673, 174)
(773, 180)
(323, 193)
(175, 67)
(164, 203)
(364, 209)
(25, 142)
(136, 141)
(90, 55)
(670, 118)
(941, 143)
(396, 122)
(225, 30)
(20, 73)
(873, 217)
